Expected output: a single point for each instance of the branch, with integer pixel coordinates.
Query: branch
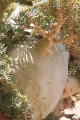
(3, 7)
(68, 40)
(72, 87)
(5, 4)
(49, 35)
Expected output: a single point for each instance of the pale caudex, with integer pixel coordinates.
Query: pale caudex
(40, 73)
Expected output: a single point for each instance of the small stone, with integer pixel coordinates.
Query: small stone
(74, 98)
(68, 113)
(75, 117)
(64, 118)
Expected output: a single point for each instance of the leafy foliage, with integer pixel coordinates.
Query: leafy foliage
(74, 67)
(12, 103)
(48, 18)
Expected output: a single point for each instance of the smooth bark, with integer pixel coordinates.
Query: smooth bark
(72, 86)
(40, 74)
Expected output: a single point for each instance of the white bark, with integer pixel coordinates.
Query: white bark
(40, 74)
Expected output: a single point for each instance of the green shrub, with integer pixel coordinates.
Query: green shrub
(12, 103)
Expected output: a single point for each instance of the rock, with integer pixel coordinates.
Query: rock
(74, 98)
(69, 113)
(76, 117)
(74, 113)
(64, 118)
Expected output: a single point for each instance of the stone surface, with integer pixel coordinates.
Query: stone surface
(64, 118)
(76, 117)
(72, 114)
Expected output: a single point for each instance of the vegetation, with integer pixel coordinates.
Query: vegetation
(12, 103)
(48, 18)
(51, 116)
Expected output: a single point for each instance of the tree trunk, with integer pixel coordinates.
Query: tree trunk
(40, 74)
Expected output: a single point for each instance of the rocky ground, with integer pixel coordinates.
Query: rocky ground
(73, 112)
